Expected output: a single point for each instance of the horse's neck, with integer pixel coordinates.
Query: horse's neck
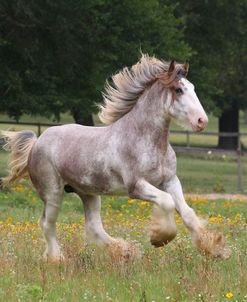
(147, 119)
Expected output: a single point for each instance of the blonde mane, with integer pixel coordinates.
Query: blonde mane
(129, 84)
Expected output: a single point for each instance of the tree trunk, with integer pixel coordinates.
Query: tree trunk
(229, 122)
(82, 119)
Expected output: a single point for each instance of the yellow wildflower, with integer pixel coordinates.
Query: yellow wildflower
(130, 201)
(19, 188)
(197, 200)
(9, 219)
(229, 295)
(216, 219)
(237, 217)
(34, 200)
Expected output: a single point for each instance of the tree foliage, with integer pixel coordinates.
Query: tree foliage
(217, 32)
(56, 54)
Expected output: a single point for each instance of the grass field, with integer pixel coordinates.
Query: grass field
(210, 174)
(176, 272)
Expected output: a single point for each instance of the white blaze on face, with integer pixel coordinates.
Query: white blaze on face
(186, 109)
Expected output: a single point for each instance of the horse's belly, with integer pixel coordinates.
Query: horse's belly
(117, 190)
(98, 183)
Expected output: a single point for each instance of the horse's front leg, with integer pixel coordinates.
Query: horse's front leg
(209, 243)
(163, 227)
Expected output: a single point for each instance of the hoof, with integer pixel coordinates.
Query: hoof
(212, 244)
(54, 259)
(122, 251)
(163, 228)
(159, 239)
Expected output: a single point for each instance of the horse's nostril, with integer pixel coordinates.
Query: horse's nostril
(200, 121)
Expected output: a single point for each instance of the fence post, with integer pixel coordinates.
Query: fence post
(187, 139)
(239, 154)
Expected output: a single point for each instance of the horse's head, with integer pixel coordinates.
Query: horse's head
(179, 102)
(185, 107)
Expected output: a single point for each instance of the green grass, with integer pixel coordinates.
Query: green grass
(174, 273)
(210, 174)
(3, 163)
(65, 119)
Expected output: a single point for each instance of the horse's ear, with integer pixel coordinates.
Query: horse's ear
(171, 67)
(186, 67)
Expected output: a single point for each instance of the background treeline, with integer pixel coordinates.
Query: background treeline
(56, 54)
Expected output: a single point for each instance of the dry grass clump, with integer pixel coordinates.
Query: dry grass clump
(122, 251)
(212, 244)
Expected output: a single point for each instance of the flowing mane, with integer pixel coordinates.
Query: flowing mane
(129, 84)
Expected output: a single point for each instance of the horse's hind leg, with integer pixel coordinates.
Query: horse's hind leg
(119, 249)
(52, 202)
(93, 224)
(50, 188)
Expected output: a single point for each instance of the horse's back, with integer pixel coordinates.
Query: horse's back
(61, 137)
(71, 131)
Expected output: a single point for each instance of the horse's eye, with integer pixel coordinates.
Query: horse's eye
(179, 91)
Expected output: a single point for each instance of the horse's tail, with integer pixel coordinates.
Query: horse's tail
(19, 144)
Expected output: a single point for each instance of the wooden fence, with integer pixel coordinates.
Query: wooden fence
(34, 124)
(186, 149)
(238, 153)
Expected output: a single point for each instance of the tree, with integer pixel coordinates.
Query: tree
(217, 32)
(47, 56)
(55, 55)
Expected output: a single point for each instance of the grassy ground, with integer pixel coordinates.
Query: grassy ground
(210, 174)
(174, 273)
(65, 119)
(3, 162)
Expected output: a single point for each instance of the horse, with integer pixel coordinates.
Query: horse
(130, 155)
